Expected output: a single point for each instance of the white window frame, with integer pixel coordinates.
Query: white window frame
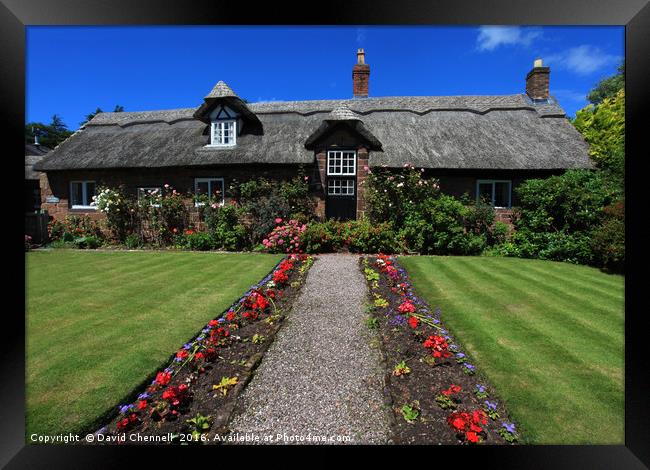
(233, 136)
(344, 184)
(478, 194)
(84, 195)
(209, 180)
(333, 153)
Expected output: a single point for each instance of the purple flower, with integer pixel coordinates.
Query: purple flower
(143, 396)
(125, 409)
(205, 330)
(102, 430)
(510, 427)
(490, 405)
(221, 320)
(468, 366)
(460, 355)
(480, 388)
(178, 359)
(397, 320)
(187, 346)
(436, 321)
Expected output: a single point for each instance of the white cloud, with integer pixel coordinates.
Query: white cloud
(582, 60)
(491, 37)
(361, 36)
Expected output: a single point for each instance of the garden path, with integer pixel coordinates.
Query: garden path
(321, 376)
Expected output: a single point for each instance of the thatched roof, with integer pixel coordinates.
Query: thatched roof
(468, 132)
(33, 154)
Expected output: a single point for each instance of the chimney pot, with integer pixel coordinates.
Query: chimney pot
(361, 56)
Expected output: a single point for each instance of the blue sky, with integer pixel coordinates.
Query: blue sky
(72, 70)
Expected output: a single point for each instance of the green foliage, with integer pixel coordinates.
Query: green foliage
(223, 224)
(132, 241)
(410, 412)
(608, 87)
(199, 425)
(89, 242)
(392, 197)
(603, 127)
(401, 369)
(439, 228)
(371, 274)
(557, 217)
(608, 240)
(357, 236)
(264, 200)
(73, 227)
(372, 323)
(120, 211)
(49, 135)
(198, 241)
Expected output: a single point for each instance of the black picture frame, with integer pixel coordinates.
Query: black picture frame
(633, 14)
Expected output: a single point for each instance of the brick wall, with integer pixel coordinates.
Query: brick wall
(362, 173)
(57, 183)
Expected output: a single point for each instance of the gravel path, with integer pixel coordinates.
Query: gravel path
(321, 376)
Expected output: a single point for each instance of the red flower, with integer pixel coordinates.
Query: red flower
(406, 307)
(457, 423)
(472, 437)
(142, 404)
(123, 424)
(473, 427)
(414, 322)
(163, 378)
(182, 354)
(230, 316)
(213, 323)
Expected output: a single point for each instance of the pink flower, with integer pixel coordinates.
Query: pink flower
(265, 241)
(278, 220)
(280, 241)
(366, 168)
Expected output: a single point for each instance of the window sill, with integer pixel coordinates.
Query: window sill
(219, 146)
(83, 208)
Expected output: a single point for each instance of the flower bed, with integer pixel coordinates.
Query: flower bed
(191, 399)
(436, 394)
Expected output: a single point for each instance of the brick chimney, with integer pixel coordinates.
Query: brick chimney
(360, 76)
(537, 81)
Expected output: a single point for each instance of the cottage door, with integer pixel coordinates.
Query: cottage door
(341, 185)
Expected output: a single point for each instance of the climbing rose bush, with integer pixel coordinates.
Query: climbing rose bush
(285, 237)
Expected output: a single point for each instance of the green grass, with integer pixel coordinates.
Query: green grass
(98, 323)
(548, 336)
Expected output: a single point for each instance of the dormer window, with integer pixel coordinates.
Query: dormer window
(223, 130)
(224, 133)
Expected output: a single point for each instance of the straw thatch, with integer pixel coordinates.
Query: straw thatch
(464, 132)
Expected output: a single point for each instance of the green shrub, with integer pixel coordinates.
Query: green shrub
(439, 228)
(323, 237)
(119, 209)
(499, 233)
(366, 237)
(199, 241)
(132, 241)
(72, 227)
(88, 242)
(223, 224)
(608, 241)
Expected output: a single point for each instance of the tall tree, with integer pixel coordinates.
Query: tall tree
(608, 87)
(49, 135)
(88, 117)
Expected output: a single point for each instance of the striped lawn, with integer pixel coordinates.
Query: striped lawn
(98, 323)
(548, 336)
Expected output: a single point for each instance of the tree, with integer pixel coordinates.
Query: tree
(88, 117)
(608, 87)
(603, 127)
(49, 135)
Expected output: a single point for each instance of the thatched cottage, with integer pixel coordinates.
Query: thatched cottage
(481, 145)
